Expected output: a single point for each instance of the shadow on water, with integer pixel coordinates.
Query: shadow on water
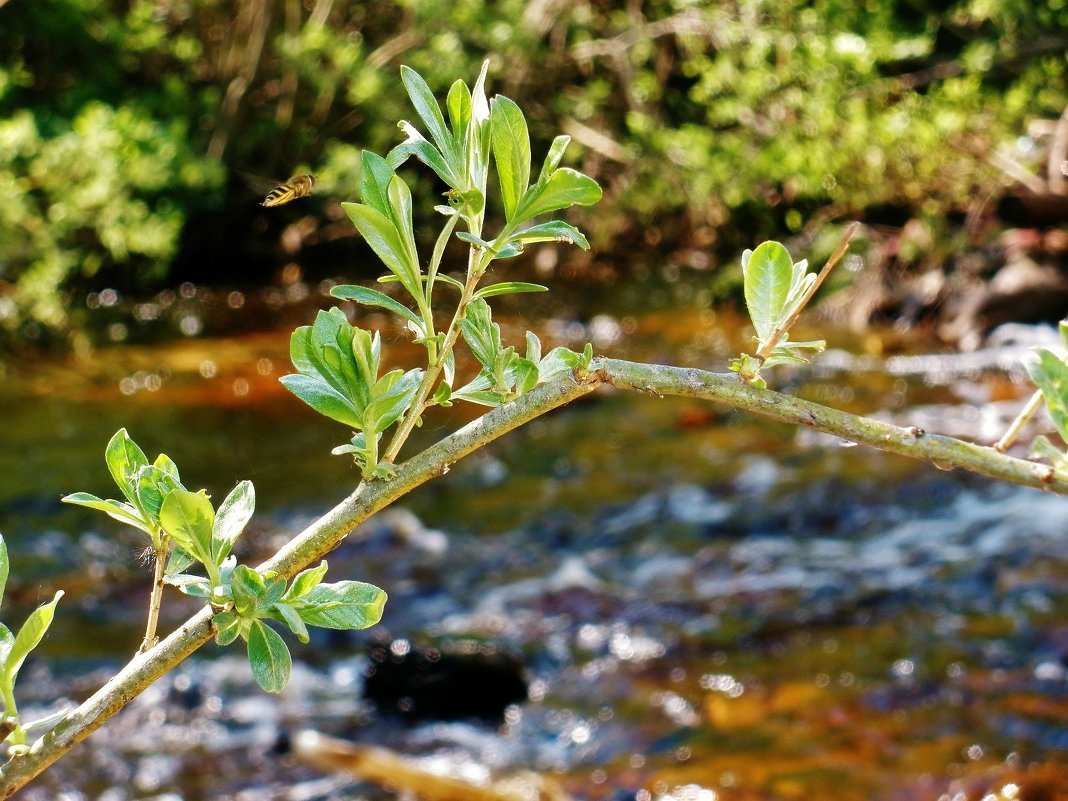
(649, 599)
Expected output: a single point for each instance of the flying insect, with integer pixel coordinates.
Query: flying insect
(296, 187)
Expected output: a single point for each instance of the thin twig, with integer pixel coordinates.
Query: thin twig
(781, 329)
(155, 599)
(1014, 430)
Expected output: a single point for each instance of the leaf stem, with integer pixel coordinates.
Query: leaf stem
(781, 329)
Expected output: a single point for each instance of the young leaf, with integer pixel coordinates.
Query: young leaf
(551, 231)
(118, 510)
(767, 276)
(124, 458)
(288, 615)
(372, 297)
(375, 175)
(188, 518)
(385, 240)
(426, 106)
(268, 657)
(509, 288)
(231, 518)
(323, 398)
(481, 334)
(553, 158)
(564, 189)
(511, 152)
(305, 581)
(1050, 375)
(188, 584)
(228, 627)
(343, 605)
(247, 588)
(28, 638)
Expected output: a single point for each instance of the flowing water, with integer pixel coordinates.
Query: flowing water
(698, 604)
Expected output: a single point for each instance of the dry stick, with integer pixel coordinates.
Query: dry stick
(370, 497)
(785, 325)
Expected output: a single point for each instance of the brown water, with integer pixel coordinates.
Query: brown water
(706, 606)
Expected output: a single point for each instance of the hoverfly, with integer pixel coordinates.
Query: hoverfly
(296, 187)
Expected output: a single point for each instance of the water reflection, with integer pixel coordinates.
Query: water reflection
(699, 605)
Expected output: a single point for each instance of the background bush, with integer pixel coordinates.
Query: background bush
(128, 130)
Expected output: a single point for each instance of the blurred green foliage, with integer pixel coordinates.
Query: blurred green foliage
(710, 124)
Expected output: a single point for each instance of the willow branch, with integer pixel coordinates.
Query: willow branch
(328, 531)
(310, 545)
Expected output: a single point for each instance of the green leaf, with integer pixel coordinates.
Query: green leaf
(268, 657)
(525, 374)
(426, 106)
(323, 398)
(28, 638)
(511, 152)
(124, 458)
(372, 297)
(386, 241)
(274, 587)
(231, 518)
(188, 518)
(118, 510)
(167, 465)
(767, 274)
(551, 231)
(553, 158)
(178, 561)
(417, 145)
(375, 175)
(1050, 375)
(342, 605)
(152, 485)
(481, 334)
(7, 639)
(442, 395)
(305, 581)
(288, 615)
(458, 104)
(509, 288)
(188, 584)
(228, 627)
(247, 588)
(564, 189)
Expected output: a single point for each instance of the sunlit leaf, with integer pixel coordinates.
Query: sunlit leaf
(343, 605)
(564, 189)
(231, 518)
(767, 276)
(509, 288)
(511, 152)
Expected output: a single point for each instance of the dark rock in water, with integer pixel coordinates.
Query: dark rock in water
(426, 684)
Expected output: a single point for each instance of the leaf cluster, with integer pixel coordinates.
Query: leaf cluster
(338, 364)
(14, 648)
(186, 530)
(776, 290)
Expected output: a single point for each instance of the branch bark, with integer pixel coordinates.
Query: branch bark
(370, 497)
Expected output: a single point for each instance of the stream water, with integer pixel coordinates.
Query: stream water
(696, 604)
